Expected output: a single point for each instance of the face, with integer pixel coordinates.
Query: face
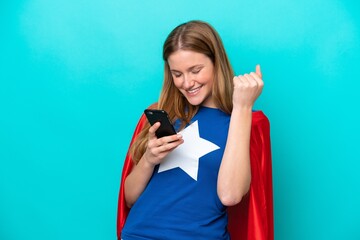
(193, 75)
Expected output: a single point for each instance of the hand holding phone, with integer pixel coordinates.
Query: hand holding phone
(166, 128)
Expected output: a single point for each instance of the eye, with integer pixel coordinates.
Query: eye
(196, 71)
(177, 75)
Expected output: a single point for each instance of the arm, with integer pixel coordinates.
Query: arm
(157, 149)
(235, 173)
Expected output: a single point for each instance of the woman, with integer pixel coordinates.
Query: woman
(181, 184)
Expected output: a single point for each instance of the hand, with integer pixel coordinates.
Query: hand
(158, 148)
(247, 88)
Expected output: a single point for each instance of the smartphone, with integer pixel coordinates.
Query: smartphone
(166, 128)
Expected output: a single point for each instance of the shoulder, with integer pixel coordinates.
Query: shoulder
(259, 118)
(153, 106)
(260, 128)
(142, 119)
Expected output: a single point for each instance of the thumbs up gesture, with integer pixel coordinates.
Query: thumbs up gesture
(247, 88)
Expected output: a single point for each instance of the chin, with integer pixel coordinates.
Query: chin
(195, 102)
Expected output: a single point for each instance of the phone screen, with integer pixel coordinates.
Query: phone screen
(166, 128)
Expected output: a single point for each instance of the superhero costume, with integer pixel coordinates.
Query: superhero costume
(252, 218)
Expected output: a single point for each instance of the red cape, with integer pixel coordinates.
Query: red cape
(252, 218)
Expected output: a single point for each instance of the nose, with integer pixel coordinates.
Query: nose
(188, 82)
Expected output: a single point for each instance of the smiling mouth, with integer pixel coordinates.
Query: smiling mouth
(194, 90)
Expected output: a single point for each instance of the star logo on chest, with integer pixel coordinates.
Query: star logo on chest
(187, 155)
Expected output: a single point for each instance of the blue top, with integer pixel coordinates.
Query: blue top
(180, 200)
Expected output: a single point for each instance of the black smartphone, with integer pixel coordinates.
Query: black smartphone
(166, 128)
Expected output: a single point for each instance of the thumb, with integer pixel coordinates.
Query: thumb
(258, 71)
(153, 129)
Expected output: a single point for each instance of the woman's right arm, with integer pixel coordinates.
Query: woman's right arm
(157, 149)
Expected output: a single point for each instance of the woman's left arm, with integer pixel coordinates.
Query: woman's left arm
(235, 173)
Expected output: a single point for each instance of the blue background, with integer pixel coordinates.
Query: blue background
(76, 75)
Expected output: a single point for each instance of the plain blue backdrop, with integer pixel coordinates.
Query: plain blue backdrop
(76, 75)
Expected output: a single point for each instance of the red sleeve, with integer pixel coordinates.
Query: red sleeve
(252, 218)
(123, 210)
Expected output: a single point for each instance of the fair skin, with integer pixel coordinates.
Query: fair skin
(235, 174)
(193, 75)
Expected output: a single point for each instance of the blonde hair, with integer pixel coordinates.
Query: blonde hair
(201, 37)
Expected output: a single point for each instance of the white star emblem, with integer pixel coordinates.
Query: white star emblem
(186, 156)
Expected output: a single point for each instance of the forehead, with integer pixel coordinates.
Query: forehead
(183, 59)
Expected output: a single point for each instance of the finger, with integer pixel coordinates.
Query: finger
(258, 71)
(251, 81)
(256, 77)
(168, 139)
(171, 145)
(260, 83)
(153, 129)
(240, 81)
(171, 138)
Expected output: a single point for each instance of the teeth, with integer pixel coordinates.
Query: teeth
(194, 90)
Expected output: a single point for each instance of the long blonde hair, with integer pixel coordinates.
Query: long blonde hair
(201, 37)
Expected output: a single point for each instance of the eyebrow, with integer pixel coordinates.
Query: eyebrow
(190, 68)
